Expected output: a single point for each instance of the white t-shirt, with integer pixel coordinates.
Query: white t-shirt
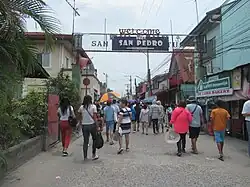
(117, 110)
(246, 109)
(86, 118)
(65, 116)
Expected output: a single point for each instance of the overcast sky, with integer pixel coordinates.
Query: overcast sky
(128, 14)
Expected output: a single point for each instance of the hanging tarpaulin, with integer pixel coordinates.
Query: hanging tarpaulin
(150, 99)
(83, 62)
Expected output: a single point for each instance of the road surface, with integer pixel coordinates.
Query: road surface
(150, 163)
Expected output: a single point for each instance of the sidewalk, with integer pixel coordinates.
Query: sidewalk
(150, 163)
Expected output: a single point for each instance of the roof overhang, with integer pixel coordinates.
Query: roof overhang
(38, 72)
(206, 24)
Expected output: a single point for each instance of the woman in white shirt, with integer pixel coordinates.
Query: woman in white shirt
(144, 117)
(64, 112)
(88, 112)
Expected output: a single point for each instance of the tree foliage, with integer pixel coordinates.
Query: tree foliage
(64, 87)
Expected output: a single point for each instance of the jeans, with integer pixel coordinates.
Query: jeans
(155, 125)
(181, 144)
(248, 131)
(86, 131)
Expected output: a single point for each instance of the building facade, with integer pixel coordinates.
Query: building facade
(223, 67)
(61, 57)
(94, 87)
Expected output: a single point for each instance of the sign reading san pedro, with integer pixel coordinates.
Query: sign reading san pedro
(217, 87)
(145, 40)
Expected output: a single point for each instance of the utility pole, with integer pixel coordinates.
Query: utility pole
(127, 90)
(106, 80)
(75, 13)
(136, 94)
(149, 76)
(130, 83)
(197, 12)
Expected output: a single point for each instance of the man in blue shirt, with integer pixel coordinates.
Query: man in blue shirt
(109, 118)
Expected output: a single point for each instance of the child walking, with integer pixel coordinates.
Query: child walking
(144, 117)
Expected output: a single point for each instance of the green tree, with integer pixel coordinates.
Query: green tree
(17, 52)
(18, 55)
(64, 87)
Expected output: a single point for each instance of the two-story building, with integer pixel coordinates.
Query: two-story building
(181, 75)
(61, 57)
(94, 87)
(160, 85)
(222, 69)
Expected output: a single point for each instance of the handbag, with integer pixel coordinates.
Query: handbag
(99, 140)
(171, 137)
(72, 120)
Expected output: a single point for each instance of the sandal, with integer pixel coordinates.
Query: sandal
(120, 151)
(127, 149)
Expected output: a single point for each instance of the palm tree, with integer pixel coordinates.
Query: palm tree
(17, 54)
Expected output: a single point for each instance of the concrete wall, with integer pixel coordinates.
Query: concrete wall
(19, 154)
(235, 35)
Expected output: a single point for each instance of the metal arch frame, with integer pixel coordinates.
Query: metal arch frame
(148, 50)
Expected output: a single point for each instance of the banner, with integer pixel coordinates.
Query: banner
(133, 43)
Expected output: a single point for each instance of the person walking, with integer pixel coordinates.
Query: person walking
(246, 114)
(219, 117)
(197, 121)
(64, 112)
(137, 115)
(162, 116)
(109, 118)
(88, 113)
(117, 110)
(133, 117)
(144, 117)
(180, 119)
(124, 121)
(154, 113)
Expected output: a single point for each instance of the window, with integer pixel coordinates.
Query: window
(66, 62)
(44, 59)
(211, 48)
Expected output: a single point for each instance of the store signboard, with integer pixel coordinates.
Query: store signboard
(212, 88)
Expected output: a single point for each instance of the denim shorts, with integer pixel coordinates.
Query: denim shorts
(110, 125)
(219, 136)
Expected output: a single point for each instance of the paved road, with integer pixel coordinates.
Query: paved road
(150, 163)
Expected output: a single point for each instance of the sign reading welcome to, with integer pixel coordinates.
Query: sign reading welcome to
(217, 87)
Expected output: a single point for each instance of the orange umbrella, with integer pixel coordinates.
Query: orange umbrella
(109, 95)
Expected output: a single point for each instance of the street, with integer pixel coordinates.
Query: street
(150, 162)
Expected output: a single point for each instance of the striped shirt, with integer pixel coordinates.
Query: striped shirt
(126, 115)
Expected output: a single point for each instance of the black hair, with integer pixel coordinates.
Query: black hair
(114, 101)
(64, 104)
(220, 103)
(87, 100)
(124, 101)
(182, 104)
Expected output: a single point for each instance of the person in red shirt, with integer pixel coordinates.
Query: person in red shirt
(180, 119)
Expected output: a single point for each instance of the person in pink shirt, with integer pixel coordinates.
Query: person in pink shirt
(180, 119)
